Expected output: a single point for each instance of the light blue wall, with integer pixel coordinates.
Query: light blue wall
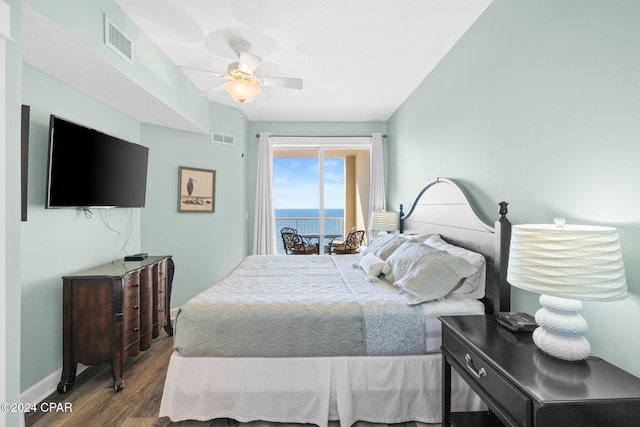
(56, 242)
(84, 20)
(53, 243)
(538, 105)
(11, 193)
(205, 246)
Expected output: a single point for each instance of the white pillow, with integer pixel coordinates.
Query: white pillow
(384, 245)
(424, 273)
(419, 237)
(373, 266)
(474, 285)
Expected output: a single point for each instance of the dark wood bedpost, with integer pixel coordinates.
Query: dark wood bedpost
(401, 219)
(502, 301)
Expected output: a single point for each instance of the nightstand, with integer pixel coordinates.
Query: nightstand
(522, 386)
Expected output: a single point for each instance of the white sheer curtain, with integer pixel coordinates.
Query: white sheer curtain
(377, 192)
(377, 195)
(264, 234)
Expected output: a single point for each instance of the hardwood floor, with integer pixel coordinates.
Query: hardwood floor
(92, 401)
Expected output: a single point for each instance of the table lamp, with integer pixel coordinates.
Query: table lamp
(384, 221)
(566, 264)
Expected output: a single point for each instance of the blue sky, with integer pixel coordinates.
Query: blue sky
(295, 183)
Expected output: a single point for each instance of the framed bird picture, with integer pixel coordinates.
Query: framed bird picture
(197, 190)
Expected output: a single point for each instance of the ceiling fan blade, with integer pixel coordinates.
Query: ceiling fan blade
(188, 67)
(205, 92)
(291, 83)
(248, 63)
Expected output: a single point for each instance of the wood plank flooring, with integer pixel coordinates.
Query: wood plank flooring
(94, 403)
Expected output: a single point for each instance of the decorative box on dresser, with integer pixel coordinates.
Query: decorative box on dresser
(522, 386)
(114, 311)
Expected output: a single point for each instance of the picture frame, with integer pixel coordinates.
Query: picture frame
(24, 159)
(196, 191)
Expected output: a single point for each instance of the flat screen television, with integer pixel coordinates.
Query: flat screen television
(89, 169)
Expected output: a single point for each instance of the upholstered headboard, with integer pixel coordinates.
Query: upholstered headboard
(442, 207)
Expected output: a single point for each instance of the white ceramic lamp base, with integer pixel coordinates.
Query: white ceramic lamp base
(561, 328)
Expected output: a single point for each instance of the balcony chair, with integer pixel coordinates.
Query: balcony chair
(288, 230)
(294, 244)
(351, 244)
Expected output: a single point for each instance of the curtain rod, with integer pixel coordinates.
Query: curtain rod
(320, 136)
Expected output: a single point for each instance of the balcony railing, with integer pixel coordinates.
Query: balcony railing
(310, 225)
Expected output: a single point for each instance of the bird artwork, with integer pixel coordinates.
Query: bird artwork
(194, 200)
(190, 186)
(197, 187)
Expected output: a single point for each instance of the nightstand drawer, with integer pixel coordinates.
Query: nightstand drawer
(505, 398)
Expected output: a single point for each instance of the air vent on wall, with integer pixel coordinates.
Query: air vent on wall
(221, 138)
(117, 40)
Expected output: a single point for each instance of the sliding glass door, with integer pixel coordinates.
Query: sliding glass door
(309, 194)
(321, 186)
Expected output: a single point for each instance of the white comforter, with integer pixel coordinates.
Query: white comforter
(302, 306)
(382, 389)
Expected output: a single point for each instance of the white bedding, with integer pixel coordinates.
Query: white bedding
(274, 306)
(447, 307)
(380, 389)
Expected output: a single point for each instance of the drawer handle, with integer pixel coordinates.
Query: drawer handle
(136, 329)
(136, 307)
(478, 373)
(137, 285)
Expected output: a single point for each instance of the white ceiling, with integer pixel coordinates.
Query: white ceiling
(359, 59)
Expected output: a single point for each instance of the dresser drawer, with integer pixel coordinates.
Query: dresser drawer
(131, 320)
(132, 312)
(146, 314)
(162, 269)
(161, 308)
(505, 397)
(131, 284)
(131, 333)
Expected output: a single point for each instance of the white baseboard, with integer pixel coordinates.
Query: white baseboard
(43, 388)
(39, 391)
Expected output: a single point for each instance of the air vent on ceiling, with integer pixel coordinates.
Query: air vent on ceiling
(221, 138)
(117, 40)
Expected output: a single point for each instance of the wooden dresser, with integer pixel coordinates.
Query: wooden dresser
(114, 311)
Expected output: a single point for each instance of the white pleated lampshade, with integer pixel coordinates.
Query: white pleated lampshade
(569, 261)
(385, 221)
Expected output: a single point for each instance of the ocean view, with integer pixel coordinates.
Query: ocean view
(306, 221)
(308, 213)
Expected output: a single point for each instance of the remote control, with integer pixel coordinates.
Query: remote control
(517, 322)
(136, 257)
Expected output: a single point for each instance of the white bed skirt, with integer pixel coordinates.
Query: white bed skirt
(380, 389)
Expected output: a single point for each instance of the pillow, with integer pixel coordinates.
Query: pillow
(423, 273)
(384, 245)
(373, 266)
(474, 285)
(419, 237)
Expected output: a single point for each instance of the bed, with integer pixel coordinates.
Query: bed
(356, 347)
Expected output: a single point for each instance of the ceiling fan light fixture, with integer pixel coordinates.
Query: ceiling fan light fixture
(242, 90)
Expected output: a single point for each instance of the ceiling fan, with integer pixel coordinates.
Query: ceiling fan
(243, 84)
